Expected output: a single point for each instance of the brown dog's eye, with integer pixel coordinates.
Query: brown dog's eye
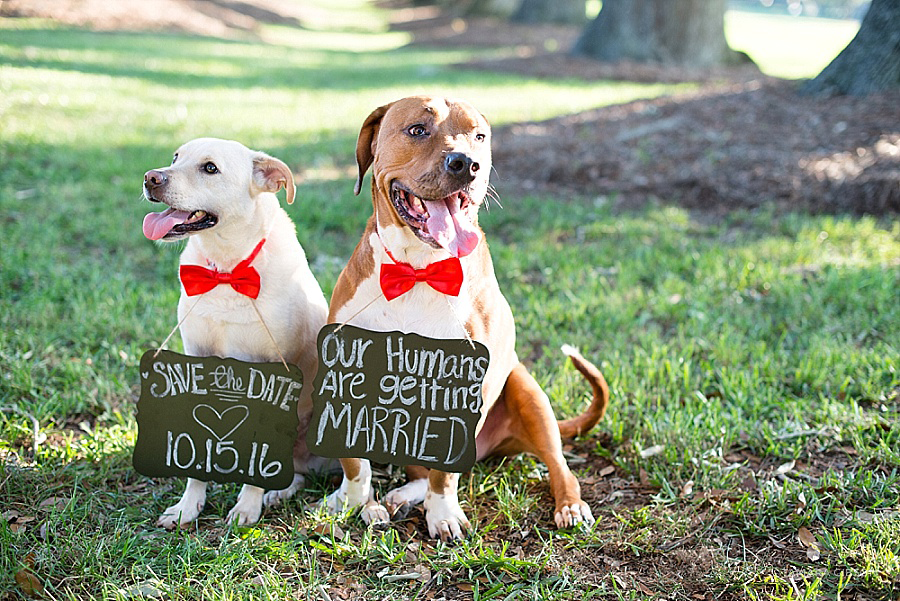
(480, 137)
(417, 131)
(210, 168)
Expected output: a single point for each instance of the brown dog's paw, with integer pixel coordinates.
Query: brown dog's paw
(574, 514)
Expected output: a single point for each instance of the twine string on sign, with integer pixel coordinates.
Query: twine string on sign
(178, 325)
(272, 338)
(258, 314)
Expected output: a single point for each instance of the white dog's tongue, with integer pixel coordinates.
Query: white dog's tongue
(451, 227)
(157, 225)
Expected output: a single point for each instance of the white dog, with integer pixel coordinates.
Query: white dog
(221, 196)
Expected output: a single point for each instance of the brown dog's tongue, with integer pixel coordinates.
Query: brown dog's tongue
(157, 225)
(451, 227)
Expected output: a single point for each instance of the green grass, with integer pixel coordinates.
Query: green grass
(789, 47)
(737, 346)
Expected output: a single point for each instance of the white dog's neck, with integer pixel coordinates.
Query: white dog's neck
(218, 247)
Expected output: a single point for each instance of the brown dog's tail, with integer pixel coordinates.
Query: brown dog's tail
(577, 426)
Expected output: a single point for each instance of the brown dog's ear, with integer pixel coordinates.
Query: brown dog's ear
(272, 175)
(365, 144)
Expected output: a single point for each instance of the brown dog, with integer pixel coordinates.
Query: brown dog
(431, 158)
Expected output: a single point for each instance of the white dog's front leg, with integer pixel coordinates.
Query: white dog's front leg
(248, 507)
(188, 508)
(358, 493)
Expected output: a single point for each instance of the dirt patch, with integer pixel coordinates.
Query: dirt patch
(736, 146)
(739, 141)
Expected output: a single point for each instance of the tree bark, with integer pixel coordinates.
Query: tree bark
(870, 62)
(687, 33)
(550, 11)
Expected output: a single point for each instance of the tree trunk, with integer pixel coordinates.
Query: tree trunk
(687, 33)
(550, 11)
(870, 62)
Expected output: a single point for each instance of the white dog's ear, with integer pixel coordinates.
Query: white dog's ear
(272, 175)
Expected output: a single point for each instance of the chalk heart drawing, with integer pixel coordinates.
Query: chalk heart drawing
(227, 421)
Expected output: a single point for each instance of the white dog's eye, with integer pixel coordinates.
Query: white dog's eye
(210, 168)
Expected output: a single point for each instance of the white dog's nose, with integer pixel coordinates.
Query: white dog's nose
(155, 179)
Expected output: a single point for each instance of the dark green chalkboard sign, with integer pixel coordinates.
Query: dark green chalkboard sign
(217, 419)
(397, 398)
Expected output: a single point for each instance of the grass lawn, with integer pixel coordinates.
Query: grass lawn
(751, 450)
(785, 46)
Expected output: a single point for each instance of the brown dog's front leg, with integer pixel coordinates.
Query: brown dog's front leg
(356, 491)
(443, 515)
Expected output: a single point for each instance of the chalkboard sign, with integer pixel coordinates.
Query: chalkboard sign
(397, 398)
(217, 419)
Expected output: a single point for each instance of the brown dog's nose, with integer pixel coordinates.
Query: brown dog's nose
(457, 164)
(155, 179)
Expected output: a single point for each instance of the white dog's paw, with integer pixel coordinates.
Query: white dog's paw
(400, 500)
(248, 508)
(187, 509)
(180, 514)
(444, 517)
(574, 515)
(275, 497)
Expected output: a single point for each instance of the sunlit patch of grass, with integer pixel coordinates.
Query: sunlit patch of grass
(790, 47)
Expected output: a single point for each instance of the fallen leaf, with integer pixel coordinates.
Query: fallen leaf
(325, 530)
(785, 467)
(9, 515)
(651, 451)
(808, 540)
(644, 478)
(687, 489)
(54, 504)
(777, 543)
(748, 483)
(643, 588)
(865, 517)
(609, 469)
(26, 580)
(28, 583)
(465, 587)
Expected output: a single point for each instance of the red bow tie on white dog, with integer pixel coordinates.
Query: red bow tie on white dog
(243, 278)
